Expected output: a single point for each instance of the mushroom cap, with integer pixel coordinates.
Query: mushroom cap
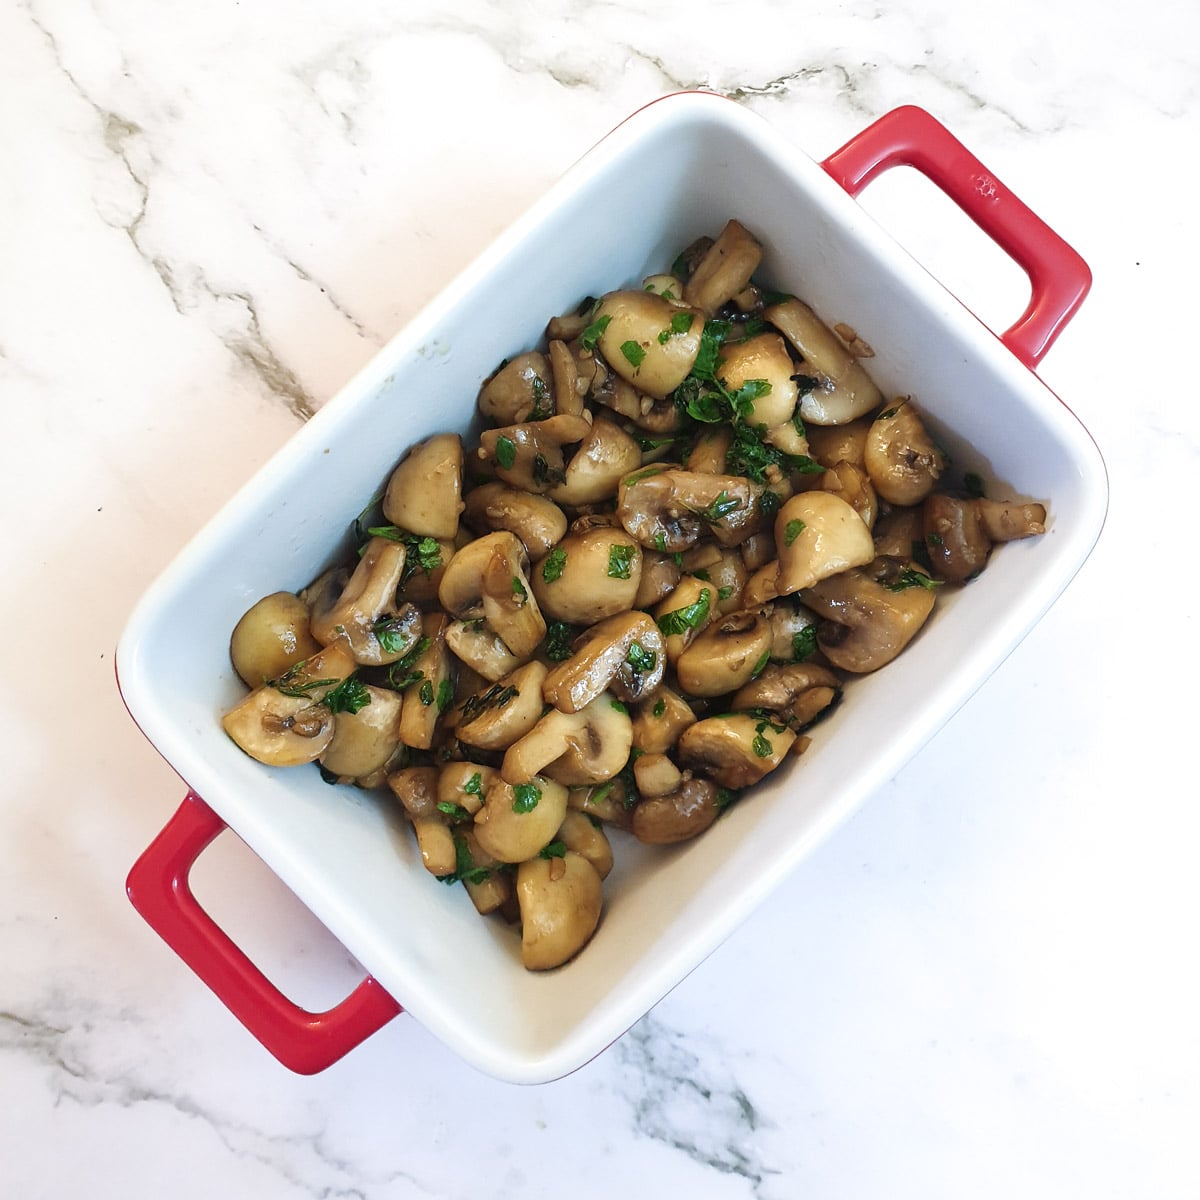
(272, 635)
(588, 746)
(818, 534)
(734, 750)
(536, 520)
(560, 902)
(512, 393)
(595, 573)
(518, 820)
(677, 816)
(508, 710)
(903, 461)
(669, 509)
(424, 493)
(363, 741)
(724, 268)
(764, 356)
(632, 345)
(280, 730)
(726, 655)
(600, 461)
(604, 657)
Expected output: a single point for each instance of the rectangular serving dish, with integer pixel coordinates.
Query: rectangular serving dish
(349, 855)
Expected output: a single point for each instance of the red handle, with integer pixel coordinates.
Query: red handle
(909, 136)
(304, 1042)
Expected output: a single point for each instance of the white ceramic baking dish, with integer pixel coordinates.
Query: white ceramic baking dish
(676, 169)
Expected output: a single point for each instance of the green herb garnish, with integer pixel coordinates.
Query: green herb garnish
(620, 560)
(349, 696)
(761, 746)
(909, 577)
(641, 659)
(659, 708)
(519, 590)
(681, 322)
(722, 506)
(403, 672)
(804, 643)
(506, 452)
(455, 812)
(592, 334)
(791, 531)
(553, 850)
(465, 869)
(525, 797)
(445, 695)
(559, 636)
(553, 564)
(425, 692)
(474, 785)
(691, 616)
(495, 697)
(634, 352)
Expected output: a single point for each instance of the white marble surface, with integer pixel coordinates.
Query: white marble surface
(985, 985)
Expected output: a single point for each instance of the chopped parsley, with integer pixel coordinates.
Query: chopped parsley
(761, 746)
(723, 593)
(553, 564)
(465, 869)
(445, 694)
(641, 659)
(403, 672)
(541, 399)
(935, 539)
(592, 334)
(909, 577)
(722, 506)
(519, 590)
(681, 322)
(392, 634)
(726, 797)
(751, 455)
(559, 636)
(349, 696)
(495, 697)
(804, 643)
(659, 708)
(791, 531)
(455, 812)
(555, 849)
(290, 683)
(425, 692)
(474, 785)
(634, 353)
(525, 797)
(620, 560)
(617, 706)
(691, 616)
(506, 452)
(760, 666)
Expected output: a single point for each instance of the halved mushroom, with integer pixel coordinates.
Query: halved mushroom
(691, 607)
(793, 631)
(280, 730)
(762, 587)
(818, 534)
(517, 390)
(593, 573)
(649, 341)
(518, 820)
(870, 614)
(589, 746)
(537, 521)
(603, 802)
(530, 455)
(659, 720)
(668, 509)
(464, 785)
(604, 456)
(417, 790)
(735, 750)
(844, 390)
(272, 635)
(903, 461)
(660, 576)
(560, 901)
(368, 597)
(830, 444)
(684, 812)
(487, 578)
(763, 357)
(709, 450)
(724, 269)
(480, 649)
(568, 395)
(577, 832)
(623, 654)
(424, 493)
(728, 654)
(655, 774)
(430, 694)
(798, 692)
(508, 710)
(364, 740)
(899, 531)
(490, 888)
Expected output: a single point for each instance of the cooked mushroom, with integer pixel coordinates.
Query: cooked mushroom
(623, 654)
(480, 649)
(899, 531)
(489, 888)
(568, 395)
(271, 636)
(668, 509)
(735, 750)
(798, 692)
(659, 720)
(280, 730)
(853, 485)
(530, 455)
(589, 746)
(724, 269)
(536, 520)
(870, 614)
(660, 576)
(508, 710)
(793, 631)
(691, 607)
(365, 738)
(464, 785)
(844, 390)
(729, 653)
(675, 816)
(428, 696)
(577, 832)
(1009, 520)
(959, 533)
(417, 790)
(709, 450)
(655, 774)
(763, 357)
(424, 493)
(903, 461)
(593, 573)
(518, 390)
(518, 820)
(647, 340)
(560, 901)
(368, 598)
(818, 534)
(604, 456)
(830, 444)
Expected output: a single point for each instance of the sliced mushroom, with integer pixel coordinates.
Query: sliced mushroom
(508, 710)
(830, 444)
(516, 391)
(593, 573)
(668, 509)
(903, 461)
(724, 269)
(623, 654)
(589, 746)
(431, 693)
(818, 534)
(483, 651)
(675, 816)
(417, 790)
(853, 485)
(536, 520)
(728, 654)
(844, 390)
(604, 456)
(649, 341)
(870, 615)
(368, 597)
(568, 397)
(735, 750)
(364, 741)
(424, 493)
(280, 730)
(797, 692)
(271, 636)
(577, 832)
(530, 455)
(959, 533)
(516, 821)
(560, 902)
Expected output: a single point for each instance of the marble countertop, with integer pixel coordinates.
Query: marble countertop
(983, 985)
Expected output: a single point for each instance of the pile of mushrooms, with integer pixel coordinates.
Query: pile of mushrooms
(690, 517)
